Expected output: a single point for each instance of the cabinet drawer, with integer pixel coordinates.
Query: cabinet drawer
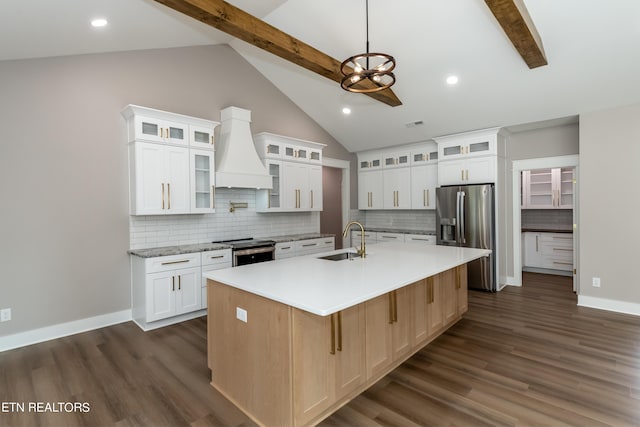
(310, 246)
(390, 237)
(420, 238)
(285, 250)
(222, 256)
(172, 262)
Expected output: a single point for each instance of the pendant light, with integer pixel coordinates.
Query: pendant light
(368, 72)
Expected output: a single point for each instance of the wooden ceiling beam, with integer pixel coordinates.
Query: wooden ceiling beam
(513, 17)
(240, 24)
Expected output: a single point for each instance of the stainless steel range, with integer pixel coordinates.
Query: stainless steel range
(250, 251)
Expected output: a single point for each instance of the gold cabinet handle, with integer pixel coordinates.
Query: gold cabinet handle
(179, 283)
(179, 261)
(333, 335)
(173, 283)
(461, 174)
(536, 243)
(430, 294)
(428, 197)
(311, 199)
(467, 175)
(339, 331)
(390, 307)
(162, 195)
(212, 142)
(395, 306)
(457, 278)
(216, 257)
(168, 196)
(213, 197)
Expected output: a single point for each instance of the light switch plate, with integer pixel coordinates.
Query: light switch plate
(595, 282)
(5, 315)
(241, 314)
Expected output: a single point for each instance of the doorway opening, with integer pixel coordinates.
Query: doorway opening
(335, 198)
(536, 198)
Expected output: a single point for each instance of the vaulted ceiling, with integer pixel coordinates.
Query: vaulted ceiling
(592, 48)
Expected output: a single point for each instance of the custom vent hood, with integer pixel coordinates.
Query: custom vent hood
(237, 161)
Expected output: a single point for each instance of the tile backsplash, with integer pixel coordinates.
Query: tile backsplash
(168, 230)
(424, 220)
(547, 218)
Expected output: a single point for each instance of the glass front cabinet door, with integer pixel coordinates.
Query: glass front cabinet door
(203, 188)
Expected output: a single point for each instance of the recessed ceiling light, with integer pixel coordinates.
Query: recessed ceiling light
(452, 80)
(100, 22)
(346, 110)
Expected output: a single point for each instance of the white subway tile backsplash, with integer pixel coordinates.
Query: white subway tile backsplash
(406, 220)
(153, 231)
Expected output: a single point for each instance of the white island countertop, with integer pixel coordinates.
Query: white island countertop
(325, 287)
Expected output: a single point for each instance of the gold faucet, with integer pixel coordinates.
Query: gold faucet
(362, 252)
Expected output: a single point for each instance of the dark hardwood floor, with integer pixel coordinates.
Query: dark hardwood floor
(522, 357)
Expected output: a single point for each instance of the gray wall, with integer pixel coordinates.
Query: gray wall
(549, 141)
(609, 203)
(63, 166)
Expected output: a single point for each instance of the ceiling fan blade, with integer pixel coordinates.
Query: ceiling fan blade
(513, 17)
(238, 23)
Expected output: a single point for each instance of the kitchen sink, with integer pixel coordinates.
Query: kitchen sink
(340, 256)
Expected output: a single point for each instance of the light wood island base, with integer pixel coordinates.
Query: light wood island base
(288, 367)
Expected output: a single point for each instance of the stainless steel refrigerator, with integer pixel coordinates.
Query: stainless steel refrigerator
(465, 217)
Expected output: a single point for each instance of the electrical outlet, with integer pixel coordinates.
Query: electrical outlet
(241, 314)
(5, 315)
(595, 282)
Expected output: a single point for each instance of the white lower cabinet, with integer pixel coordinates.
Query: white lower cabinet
(427, 239)
(304, 247)
(170, 289)
(548, 251)
(213, 260)
(384, 236)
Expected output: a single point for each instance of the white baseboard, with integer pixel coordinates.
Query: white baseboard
(511, 281)
(609, 305)
(62, 330)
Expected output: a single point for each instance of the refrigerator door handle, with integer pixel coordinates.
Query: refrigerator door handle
(458, 217)
(461, 222)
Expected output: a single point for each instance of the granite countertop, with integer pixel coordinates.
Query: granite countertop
(295, 237)
(205, 247)
(323, 291)
(177, 250)
(545, 230)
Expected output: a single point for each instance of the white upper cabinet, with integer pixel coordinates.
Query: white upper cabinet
(171, 162)
(397, 188)
(548, 188)
(370, 190)
(424, 179)
(395, 160)
(201, 137)
(369, 161)
(203, 186)
(398, 178)
(160, 179)
(470, 158)
(295, 167)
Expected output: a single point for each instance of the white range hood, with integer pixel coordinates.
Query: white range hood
(237, 161)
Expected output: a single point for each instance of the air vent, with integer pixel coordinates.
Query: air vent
(414, 124)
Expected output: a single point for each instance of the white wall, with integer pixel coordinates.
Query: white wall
(64, 232)
(546, 141)
(609, 206)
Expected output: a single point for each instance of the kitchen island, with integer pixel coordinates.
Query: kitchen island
(291, 341)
